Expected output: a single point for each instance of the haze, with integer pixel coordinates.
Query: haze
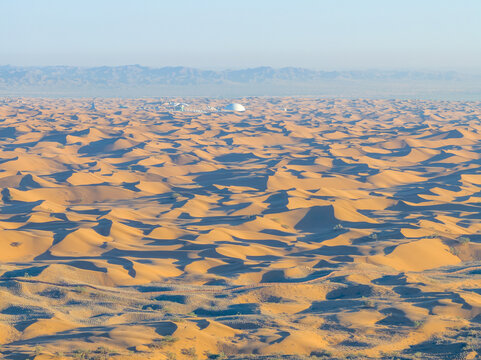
(434, 35)
(255, 180)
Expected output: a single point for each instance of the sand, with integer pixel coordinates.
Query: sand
(334, 228)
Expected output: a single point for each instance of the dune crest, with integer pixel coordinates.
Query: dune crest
(323, 227)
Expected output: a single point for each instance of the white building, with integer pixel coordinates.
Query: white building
(235, 107)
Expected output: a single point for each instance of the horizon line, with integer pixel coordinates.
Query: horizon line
(419, 69)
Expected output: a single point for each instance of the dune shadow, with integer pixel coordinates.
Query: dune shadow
(233, 177)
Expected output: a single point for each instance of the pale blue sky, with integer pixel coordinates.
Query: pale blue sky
(318, 34)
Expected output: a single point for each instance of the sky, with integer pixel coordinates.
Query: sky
(221, 34)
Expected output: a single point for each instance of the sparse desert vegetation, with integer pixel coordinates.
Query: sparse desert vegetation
(339, 229)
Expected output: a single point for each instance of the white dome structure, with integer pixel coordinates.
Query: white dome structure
(235, 107)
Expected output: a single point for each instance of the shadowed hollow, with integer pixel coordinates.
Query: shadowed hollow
(298, 227)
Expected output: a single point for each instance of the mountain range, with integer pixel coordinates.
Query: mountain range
(136, 80)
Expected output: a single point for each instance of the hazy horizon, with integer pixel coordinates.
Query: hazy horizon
(255, 180)
(341, 35)
(233, 68)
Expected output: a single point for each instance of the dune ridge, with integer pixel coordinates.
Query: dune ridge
(303, 226)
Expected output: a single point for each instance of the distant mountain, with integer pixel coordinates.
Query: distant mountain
(136, 80)
(142, 75)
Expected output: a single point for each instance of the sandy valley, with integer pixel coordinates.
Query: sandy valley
(316, 227)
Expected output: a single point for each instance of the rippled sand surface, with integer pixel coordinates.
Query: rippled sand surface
(333, 228)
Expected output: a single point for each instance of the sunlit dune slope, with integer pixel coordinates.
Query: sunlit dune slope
(331, 228)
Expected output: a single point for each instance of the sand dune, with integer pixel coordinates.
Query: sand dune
(335, 228)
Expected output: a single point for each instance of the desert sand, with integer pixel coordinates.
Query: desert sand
(315, 227)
